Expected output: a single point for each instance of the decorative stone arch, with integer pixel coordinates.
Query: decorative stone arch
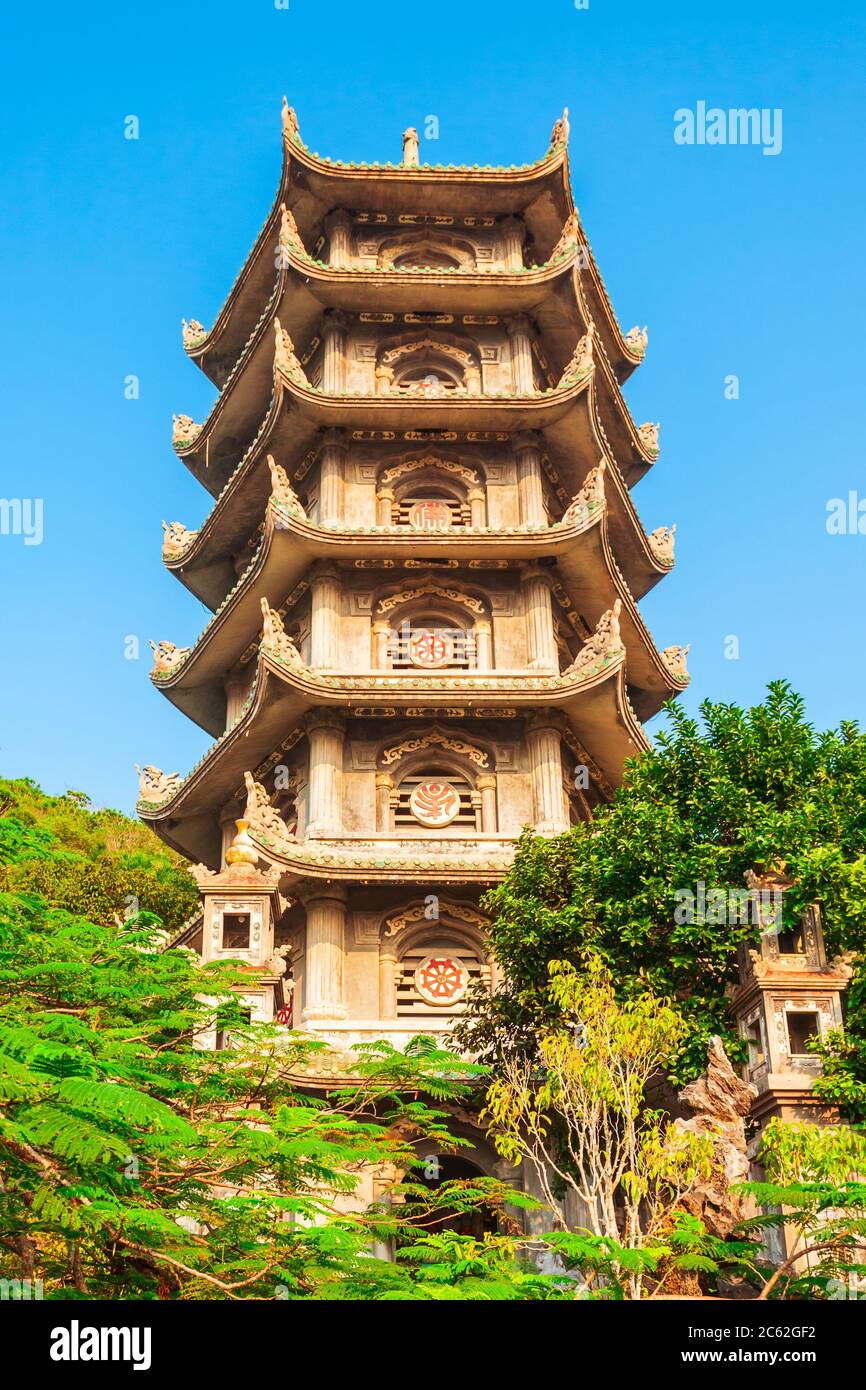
(447, 476)
(444, 754)
(446, 926)
(461, 366)
(463, 619)
(442, 248)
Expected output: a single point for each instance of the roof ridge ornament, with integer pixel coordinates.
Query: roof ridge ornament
(590, 496)
(290, 122)
(285, 358)
(282, 491)
(604, 643)
(276, 639)
(176, 539)
(193, 333)
(675, 660)
(263, 819)
(167, 657)
(649, 436)
(411, 158)
(582, 361)
(662, 543)
(569, 238)
(155, 785)
(636, 340)
(289, 234)
(561, 130)
(185, 431)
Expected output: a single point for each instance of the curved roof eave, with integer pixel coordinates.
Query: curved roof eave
(596, 703)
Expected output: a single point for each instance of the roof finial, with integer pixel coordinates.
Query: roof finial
(290, 121)
(561, 130)
(411, 159)
(242, 850)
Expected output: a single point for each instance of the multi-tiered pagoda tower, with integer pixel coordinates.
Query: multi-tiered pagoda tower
(424, 565)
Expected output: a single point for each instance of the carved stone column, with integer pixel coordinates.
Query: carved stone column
(530, 492)
(334, 328)
(388, 975)
(486, 785)
(326, 732)
(325, 954)
(331, 479)
(513, 233)
(538, 609)
(477, 506)
(521, 332)
(338, 225)
(472, 378)
(483, 645)
(381, 645)
(543, 740)
(385, 499)
(327, 605)
(384, 788)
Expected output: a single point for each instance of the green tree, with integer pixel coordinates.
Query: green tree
(735, 791)
(815, 1191)
(136, 1164)
(611, 1168)
(99, 864)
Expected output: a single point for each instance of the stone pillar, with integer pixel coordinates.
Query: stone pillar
(385, 499)
(236, 686)
(326, 732)
(384, 788)
(387, 981)
(325, 619)
(325, 954)
(477, 507)
(541, 646)
(543, 739)
(483, 645)
(513, 233)
(331, 479)
(486, 785)
(472, 379)
(334, 328)
(520, 331)
(338, 225)
(530, 492)
(381, 646)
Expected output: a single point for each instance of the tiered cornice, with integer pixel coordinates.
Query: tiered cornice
(311, 188)
(290, 545)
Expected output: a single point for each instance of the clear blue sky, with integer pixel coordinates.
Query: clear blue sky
(739, 263)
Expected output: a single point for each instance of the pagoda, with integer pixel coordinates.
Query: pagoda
(423, 563)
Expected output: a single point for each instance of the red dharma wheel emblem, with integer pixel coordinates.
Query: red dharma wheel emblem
(430, 647)
(430, 516)
(441, 979)
(434, 803)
